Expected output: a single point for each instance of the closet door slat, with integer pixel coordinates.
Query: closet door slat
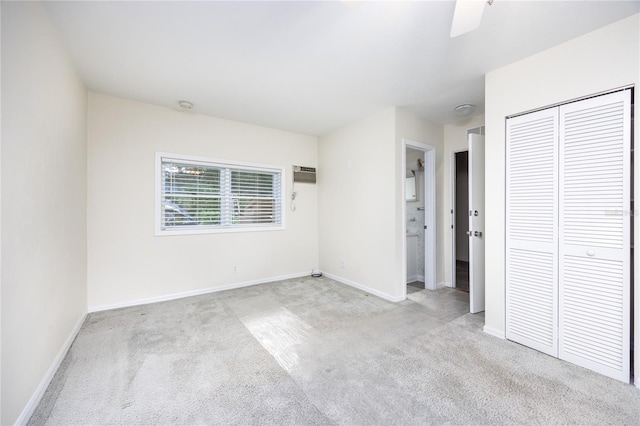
(594, 234)
(532, 238)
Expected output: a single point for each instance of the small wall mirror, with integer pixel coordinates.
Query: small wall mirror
(411, 189)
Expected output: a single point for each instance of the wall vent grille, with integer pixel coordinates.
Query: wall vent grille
(304, 174)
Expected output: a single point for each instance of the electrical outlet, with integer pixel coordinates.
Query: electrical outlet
(235, 268)
(342, 264)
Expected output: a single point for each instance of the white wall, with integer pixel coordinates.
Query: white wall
(412, 164)
(127, 263)
(361, 200)
(455, 139)
(357, 222)
(43, 203)
(599, 61)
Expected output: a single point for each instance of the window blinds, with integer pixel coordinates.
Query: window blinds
(212, 195)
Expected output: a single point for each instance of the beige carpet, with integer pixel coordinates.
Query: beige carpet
(313, 351)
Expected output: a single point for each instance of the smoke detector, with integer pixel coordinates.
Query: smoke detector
(185, 105)
(464, 110)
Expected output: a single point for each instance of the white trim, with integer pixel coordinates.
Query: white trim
(35, 399)
(200, 231)
(191, 293)
(494, 332)
(366, 289)
(443, 284)
(570, 101)
(453, 169)
(452, 214)
(429, 180)
(430, 195)
(196, 160)
(413, 279)
(1, 211)
(403, 274)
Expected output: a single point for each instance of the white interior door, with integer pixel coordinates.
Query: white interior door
(531, 231)
(476, 223)
(594, 241)
(430, 218)
(568, 232)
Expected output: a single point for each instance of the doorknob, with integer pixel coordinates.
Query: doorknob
(469, 233)
(477, 233)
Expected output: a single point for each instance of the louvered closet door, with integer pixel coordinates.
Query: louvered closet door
(532, 239)
(594, 311)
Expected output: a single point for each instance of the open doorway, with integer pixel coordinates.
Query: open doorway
(419, 217)
(415, 208)
(460, 274)
(468, 218)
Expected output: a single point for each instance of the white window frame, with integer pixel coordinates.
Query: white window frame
(160, 231)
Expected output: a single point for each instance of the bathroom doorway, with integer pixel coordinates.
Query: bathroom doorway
(419, 214)
(460, 229)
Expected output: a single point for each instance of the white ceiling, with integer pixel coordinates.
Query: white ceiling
(310, 67)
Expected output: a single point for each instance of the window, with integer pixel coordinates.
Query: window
(198, 195)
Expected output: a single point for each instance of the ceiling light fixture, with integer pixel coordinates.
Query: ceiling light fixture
(185, 105)
(464, 110)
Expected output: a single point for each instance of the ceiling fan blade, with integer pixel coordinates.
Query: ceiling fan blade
(466, 16)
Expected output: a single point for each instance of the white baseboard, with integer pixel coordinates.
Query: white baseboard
(412, 279)
(199, 292)
(443, 284)
(31, 406)
(364, 288)
(493, 332)
(415, 278)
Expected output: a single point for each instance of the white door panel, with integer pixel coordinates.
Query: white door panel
(476, 223)
(568, 232)
(594, 304)
(531, 234)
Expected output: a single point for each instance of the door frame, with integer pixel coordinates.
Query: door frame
(453, 194)
(429, 194)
